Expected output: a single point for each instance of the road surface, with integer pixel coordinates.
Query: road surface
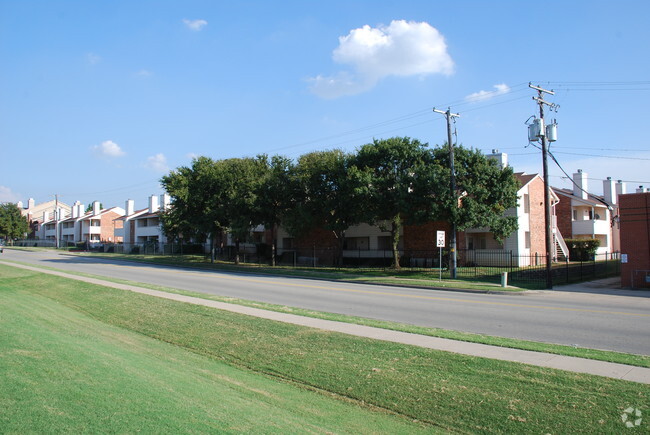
(600, 321)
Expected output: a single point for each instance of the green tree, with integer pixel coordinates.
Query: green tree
(90, 207)
(195, 211)
(401, 176)
(277, 194)
(12, 223)
(334, 193)
(486, 189)
(237, 182)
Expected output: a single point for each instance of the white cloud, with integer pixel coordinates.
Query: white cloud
(144, 73)
(403, 48)
(108, 150)
(93, 59)
(195, 25)
(6, 195)
(157, 163)
(499, 89)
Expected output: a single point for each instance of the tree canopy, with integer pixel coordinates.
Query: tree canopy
(388, 183)
(12, 223)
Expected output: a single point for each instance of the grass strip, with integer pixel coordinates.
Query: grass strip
(64, 372)
(454, 392)
(557, 349)
(420, 278)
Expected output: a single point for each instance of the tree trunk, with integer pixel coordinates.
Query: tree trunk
(394, 232)
(237, 250)
(272, 245)
(341, 239)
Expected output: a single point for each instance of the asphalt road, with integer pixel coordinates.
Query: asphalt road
(617, 321)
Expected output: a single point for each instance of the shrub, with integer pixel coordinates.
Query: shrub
(582, 249)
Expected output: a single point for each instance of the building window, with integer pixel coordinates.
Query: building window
(527, 240)
(357, 243)
(526, 203)
(575, 215)
(384, 243)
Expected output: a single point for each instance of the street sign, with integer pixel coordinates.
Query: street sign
(440, 238)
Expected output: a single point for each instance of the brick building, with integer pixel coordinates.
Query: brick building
(635, 239)
(581, 214)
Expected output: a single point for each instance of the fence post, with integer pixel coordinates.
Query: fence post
(566, 261)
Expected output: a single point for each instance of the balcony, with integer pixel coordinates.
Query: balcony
(590, 227)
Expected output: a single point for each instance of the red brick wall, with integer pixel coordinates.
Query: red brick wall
(635, 238)
(107, 226)
(423, 237)
(537, 224)
(564, 218)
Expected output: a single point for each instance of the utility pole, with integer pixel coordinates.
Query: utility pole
(547, 189)
(56, 220)
(452, 187)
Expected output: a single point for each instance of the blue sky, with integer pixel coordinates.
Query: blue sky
(99, 99)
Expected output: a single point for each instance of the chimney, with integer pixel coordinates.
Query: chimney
(130, 207)
(30, 203)
(46, 216)
(19, 204)
(96, 208)
(75, 210)
(80, 210)
(153, 204)
(165, 200)
(580, 184)
(609, 191)
(501, 158)
(621, 188)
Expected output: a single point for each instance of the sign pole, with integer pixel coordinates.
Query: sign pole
(440, 243)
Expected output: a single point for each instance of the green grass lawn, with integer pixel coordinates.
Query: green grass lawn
(64, 371)
(595, 354)
(48, 316)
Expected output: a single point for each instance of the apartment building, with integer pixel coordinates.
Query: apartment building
(37, 214)
(143, 227)
(581, 214)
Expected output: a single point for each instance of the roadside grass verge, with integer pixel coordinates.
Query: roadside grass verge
(412, 277)
(453, 392)
(65, 372)
(558, 349)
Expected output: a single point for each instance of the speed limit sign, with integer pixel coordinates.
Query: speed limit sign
(440, 238)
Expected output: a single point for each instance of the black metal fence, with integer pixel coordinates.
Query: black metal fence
(480, 264)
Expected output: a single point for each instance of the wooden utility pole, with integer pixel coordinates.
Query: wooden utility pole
(453, 259)
(547, 189)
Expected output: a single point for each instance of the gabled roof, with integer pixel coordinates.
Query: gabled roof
(525, 178)
(90, 214)
(135, 214)
(148, 215)
(593, 200)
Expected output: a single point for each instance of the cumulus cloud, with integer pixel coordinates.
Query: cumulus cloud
(108, 150)
(195, 25)
(6, 195)
(499, 89)
(157, 163)
(403, 48)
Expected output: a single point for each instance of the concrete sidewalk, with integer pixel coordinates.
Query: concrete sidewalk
(573, 364)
